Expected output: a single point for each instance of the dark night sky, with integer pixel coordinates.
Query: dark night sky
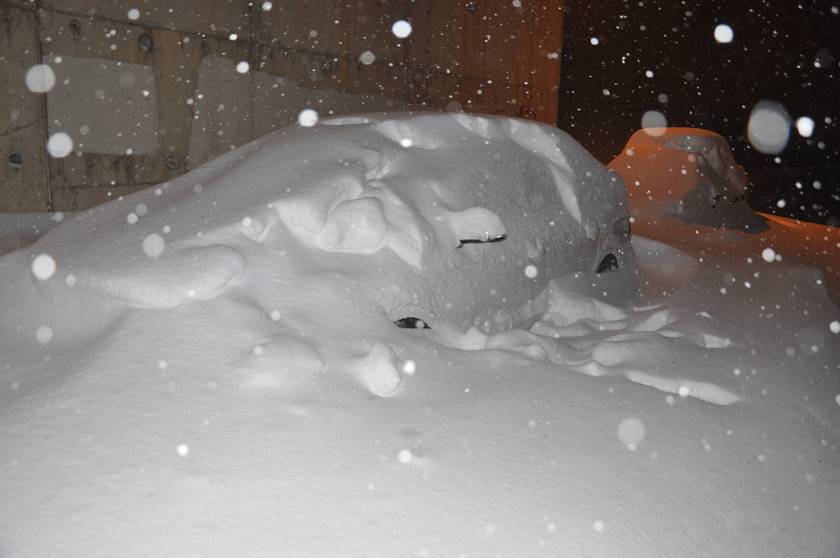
(712, 85)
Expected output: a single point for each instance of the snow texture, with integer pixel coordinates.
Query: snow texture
(223, 377)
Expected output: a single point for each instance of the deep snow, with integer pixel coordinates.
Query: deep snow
(210, 368)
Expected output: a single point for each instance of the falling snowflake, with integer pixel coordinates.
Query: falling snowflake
(40, 78)
(307, 118)
(409, 367)
(805, 126)
(768, 128)
(367, 58)
(60, 145)
(401, 29)
(654, 123)
(631, 432)
(44, 334)
(405, 456)
(43, 266)
(724, 33)
(153, 245)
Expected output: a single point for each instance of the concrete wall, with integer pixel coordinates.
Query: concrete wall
(147, 98)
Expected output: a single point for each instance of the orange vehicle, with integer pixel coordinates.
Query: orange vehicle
(685, 189)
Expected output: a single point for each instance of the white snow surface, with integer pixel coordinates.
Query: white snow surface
(241, 389)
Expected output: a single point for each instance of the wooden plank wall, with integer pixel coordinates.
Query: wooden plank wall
(496, 57)
(489, 56)
(23, 159)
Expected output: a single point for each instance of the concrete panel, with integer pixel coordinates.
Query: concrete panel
(174, 58)
(224, 115)
(233, 109)
(213, 17)
(23, 169)
(105, 106)
(82, 198)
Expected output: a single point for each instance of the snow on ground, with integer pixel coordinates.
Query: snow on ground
(210, 367)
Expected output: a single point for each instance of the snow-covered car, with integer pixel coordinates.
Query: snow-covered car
(211, 368)
(435, 217)
(685, 188)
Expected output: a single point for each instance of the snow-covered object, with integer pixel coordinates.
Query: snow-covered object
(191, 372)
(682, 181)
(687, 173)
(446, 227)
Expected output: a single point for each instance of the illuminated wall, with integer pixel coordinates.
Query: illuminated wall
(147, 89)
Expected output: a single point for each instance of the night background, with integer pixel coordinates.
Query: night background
(782, 51)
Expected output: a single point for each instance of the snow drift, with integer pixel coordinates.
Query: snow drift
(211, 367)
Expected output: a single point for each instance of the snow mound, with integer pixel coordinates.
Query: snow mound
(176, 277)
(578, 331)
(687, 173)
(377, 370)
(285, 363)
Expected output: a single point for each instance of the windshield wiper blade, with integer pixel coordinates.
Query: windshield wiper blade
(481, 240)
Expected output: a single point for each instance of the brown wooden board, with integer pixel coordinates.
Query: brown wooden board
(489, 46)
